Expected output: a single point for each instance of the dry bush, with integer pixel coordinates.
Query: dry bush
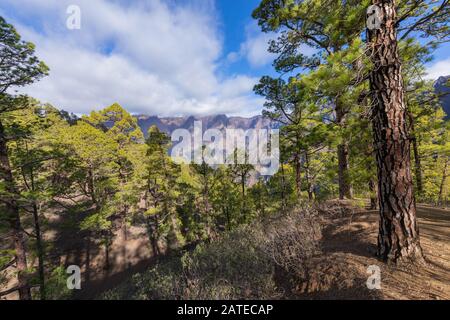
(239, 265)
(292, 239)
(232, 267)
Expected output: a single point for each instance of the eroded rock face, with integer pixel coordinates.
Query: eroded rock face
(221, 121)
(442, 87)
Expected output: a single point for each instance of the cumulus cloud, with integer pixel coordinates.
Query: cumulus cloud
(438, 69)
(152, 57)
(255, 48)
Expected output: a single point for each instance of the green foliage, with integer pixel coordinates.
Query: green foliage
(321, 98)
(19, 65)
(56, 285)
(6, 256)
(162, 191)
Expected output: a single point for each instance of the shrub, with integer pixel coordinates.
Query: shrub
(240, 264)
(234, 267)
(292, 239)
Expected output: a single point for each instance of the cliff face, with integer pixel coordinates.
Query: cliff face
(221, 121)
(442, 87)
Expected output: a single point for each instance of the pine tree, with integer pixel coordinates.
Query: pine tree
(162, 189)
(327, 27)
(18, 67)
(399, 236)
(32, 158)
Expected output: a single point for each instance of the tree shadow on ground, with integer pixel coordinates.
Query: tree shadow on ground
(74, 246)
(341, 237)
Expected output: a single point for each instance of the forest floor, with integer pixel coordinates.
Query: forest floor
(349, 247)
(340, 271)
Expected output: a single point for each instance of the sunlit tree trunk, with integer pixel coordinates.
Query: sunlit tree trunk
(40, 252)
(309, 184)
(13, 217)
(38, 233)
(298, 177)
(398, 238)
(345, 188)
(444, 178)
(417, 163)
(373, 194)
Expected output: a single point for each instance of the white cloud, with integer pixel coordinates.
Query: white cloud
(439, 68)
(150, 56)
(232, 57)
(255, 48)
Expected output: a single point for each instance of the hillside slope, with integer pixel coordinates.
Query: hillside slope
(337, 268)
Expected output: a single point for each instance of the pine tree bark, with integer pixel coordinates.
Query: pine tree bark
(417, 167)
(309, 184)
(442, 185)
(373, 194)
(398, 238)
(298, 177)
(345, 189)
(417, 163)
(40, 252)
(13, 217)
(283, 186)
(38, 232)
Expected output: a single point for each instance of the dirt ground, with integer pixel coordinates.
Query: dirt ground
(349, 247)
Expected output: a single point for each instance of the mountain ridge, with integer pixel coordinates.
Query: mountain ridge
(441, 86)
(222, 121)
(219, 121)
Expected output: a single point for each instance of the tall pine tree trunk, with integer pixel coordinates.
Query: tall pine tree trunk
(398, 238)
(309, 184)
(38, 232)
(417, 163)
(442, 185)
(417, 167)
(372, 183)
(40, 252)
(283, 191)
(13, 217)
(345, 189)
(298, 177)
(373, 194)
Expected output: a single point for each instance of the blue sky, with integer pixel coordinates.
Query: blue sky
(164, 57)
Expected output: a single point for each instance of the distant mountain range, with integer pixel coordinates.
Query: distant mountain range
(441, 87)
(221, 121)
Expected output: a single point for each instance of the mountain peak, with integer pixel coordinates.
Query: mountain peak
(442, 88)
(219, 121)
